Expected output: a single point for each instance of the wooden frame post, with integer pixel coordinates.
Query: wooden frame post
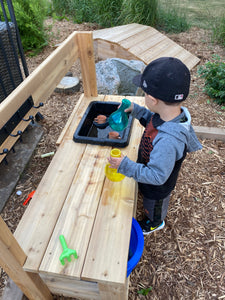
(12, 259)
(86, 55)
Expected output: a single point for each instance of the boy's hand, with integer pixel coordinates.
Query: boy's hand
(129, 109)
(115, 161)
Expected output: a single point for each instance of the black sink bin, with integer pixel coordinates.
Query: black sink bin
(88, 133)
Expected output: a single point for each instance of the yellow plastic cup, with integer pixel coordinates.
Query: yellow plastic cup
(111, 173)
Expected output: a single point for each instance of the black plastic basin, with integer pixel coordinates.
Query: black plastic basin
(87, 132)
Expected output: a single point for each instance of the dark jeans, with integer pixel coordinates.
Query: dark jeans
(156, 210)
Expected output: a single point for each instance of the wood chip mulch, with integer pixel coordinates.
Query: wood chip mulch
(185, 260)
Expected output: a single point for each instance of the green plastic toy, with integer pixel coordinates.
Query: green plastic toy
(66, 251)
(118, 120)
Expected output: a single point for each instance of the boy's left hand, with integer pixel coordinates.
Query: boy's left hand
(115, 161)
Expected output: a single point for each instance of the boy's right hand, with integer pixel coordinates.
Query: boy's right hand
(129, 109)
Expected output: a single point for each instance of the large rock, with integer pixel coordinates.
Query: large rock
(114, 76)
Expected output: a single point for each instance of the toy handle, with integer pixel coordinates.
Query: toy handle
(111, 173)
(115, 152)
(63, 242)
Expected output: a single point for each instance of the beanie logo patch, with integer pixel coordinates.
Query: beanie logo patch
(145, 84)
(179, 97)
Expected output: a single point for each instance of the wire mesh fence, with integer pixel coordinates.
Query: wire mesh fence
(13, 70)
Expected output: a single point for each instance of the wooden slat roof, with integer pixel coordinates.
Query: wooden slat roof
(143, 42)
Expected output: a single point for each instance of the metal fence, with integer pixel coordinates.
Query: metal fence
(13, 68)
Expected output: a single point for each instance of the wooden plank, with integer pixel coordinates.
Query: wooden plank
(107, 49)
(114, 291)
(171, 50)
(174, 51)
(184, 55)
(111, 229)
(161, 49)
(12, 259)
(143, 37)
(11, 243)
(212, 133)
(127, 32)
(78, 213)
(113, 224)
(46, 204)
(132, 30)
(42, 289)
(191, 61)
(86, 54)
(187, 58)
(42, 81)
(109, 33)
(70, 287)
(10, 141)
(144, 48)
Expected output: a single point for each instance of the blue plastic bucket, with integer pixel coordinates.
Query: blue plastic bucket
(136, 246)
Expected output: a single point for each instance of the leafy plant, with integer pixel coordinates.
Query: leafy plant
(30, 15)
(214, 75)
(145, 291)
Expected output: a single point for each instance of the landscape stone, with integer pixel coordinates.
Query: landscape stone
(114, 76)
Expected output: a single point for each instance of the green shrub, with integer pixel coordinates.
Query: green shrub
(30, 15)
(214, 75)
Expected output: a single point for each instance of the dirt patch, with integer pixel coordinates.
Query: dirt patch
(186, 260)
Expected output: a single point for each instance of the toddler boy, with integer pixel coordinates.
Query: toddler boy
(168, 136)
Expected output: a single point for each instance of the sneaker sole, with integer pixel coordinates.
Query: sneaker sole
(158, 228)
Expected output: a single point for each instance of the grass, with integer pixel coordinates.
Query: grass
(218, 31)
(171, 19)
(200, 13)
(142, 12)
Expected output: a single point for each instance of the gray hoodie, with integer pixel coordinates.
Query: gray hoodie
(174, 139)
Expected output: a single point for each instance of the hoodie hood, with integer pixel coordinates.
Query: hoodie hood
(181, 129)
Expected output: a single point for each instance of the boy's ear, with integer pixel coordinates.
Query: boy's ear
(153, 99)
